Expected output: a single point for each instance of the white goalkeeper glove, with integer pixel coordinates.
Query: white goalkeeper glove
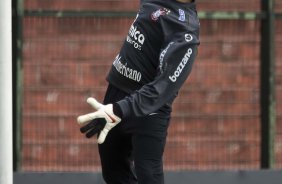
(100, 121)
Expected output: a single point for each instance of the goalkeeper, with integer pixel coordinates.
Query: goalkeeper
(152, 65)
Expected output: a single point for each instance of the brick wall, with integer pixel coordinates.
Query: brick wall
(215, 122)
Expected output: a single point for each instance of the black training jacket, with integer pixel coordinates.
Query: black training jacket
(156, 57)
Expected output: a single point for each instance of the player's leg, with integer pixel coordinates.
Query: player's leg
(116, 151)
(148, 148)
(116, 158)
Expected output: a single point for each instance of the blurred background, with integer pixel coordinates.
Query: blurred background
(65, 49)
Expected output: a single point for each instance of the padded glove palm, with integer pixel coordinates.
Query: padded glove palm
(101, 121)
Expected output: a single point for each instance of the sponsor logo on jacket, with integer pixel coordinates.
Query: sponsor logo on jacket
(162, 55)
(181, 65)
(156, 14)
(135, 37)
(181, 15)
(188, 37)
(126, 71)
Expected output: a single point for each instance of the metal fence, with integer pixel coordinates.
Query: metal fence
(65, 49)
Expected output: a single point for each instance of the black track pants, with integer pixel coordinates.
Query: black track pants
(133, 150)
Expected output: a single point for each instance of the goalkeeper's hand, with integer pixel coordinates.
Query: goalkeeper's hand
(101, 121)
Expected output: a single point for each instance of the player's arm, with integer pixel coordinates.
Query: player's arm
(176, 63)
